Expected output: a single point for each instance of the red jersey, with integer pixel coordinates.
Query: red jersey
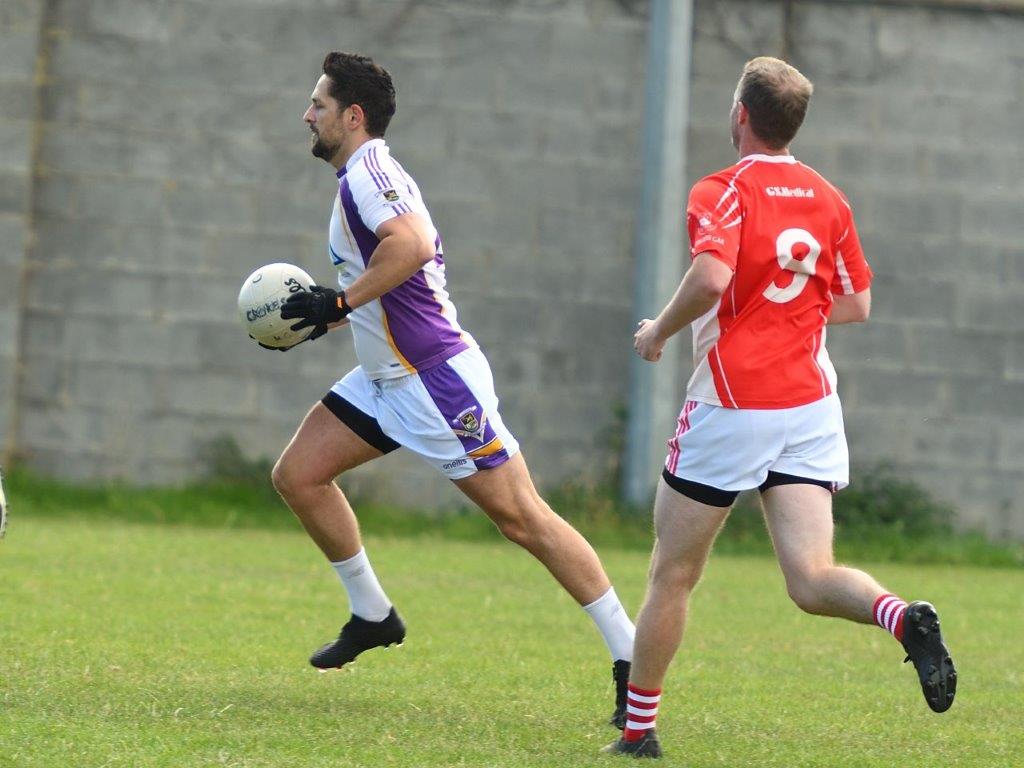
(789, 237)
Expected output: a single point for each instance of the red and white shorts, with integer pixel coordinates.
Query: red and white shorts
(734, 449)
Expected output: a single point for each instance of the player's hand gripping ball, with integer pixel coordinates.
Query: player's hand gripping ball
(263, 294)
(317, 309)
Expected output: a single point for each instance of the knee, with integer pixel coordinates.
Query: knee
(805, 589)
(282, 478)
(677, 577)
(515, 530)
(289, 480)
(522, 521)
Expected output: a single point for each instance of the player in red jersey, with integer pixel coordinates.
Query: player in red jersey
(776, 258)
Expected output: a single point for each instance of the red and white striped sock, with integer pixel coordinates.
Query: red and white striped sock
(641, 710)
(888, 612)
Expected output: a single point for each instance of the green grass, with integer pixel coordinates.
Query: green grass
(254, 505)
(149, 645)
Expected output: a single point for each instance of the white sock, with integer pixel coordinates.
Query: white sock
(614, 625)
(365, 595)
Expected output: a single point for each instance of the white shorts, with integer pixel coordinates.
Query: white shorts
(733, 450)
(447, 414)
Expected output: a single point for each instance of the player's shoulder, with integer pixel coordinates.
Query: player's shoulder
(726, 179)
(360, 178)
(827, 187)
(723, 177)
(369, 184)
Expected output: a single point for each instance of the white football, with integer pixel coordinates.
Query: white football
(260, 300)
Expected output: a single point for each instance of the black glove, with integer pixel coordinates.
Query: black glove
(316, 307)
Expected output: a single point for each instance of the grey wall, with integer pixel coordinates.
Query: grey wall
(171, 160)
(19, 42)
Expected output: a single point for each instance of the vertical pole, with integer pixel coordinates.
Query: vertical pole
(655, 392)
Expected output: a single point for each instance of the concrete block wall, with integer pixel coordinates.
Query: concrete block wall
(171, 160)
(916, 117)
(20, 24)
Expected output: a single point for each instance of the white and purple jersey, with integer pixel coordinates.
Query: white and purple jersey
(413, 326)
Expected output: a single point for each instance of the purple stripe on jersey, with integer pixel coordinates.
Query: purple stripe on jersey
(365, 239)
(463, 412)
(383, 174)
(401, 170)
(373, 174)
(418, 328)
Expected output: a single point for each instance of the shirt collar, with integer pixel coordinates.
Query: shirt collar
(771, 158)
(363, 148)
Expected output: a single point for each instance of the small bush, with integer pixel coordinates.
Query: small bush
(880, 501)
(224, 462)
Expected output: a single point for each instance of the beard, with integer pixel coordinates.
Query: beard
(323, 149)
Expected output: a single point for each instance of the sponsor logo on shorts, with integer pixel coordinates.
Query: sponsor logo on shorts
(455, 464)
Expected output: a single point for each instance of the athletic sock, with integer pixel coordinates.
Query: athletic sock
(641, 711)
(365, 594)
(614, 625)
(888, 612)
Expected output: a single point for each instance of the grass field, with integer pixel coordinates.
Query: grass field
(143, 645)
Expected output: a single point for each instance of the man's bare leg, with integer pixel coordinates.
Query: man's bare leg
(323, 448)
(799, 520)
(684, 532)
(507, 495)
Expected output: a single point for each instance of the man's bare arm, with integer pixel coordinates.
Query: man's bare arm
(703, 284)
(406, 244)
(850, 308)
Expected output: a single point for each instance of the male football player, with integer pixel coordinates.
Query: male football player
(421, 383)
(776, 257)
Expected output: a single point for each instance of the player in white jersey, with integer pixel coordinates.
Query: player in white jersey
(422, 381)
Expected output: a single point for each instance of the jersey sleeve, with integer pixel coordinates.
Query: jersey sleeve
(713, 219)
(379, 196)
(853, 274)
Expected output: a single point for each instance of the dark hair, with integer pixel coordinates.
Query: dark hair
(776, 96)
(358, 80)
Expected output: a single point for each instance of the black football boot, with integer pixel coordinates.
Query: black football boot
(646, 746)
(923, 643)
(359, 635)
(620, 674)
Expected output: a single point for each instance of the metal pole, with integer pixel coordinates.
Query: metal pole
(655, 392)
